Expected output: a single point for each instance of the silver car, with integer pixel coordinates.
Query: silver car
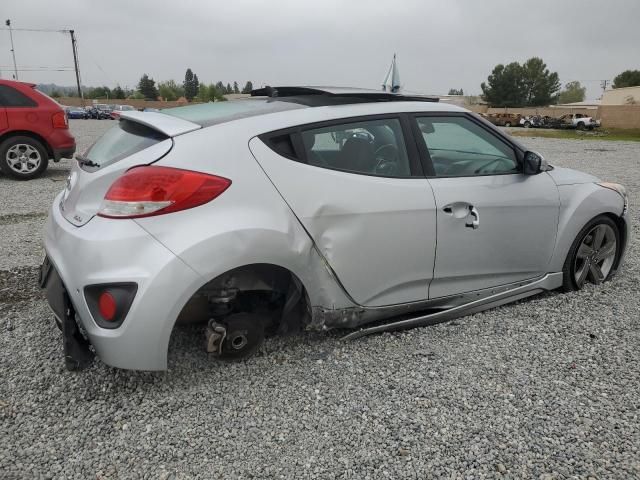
(310, 208)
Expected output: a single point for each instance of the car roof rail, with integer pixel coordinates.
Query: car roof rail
(336, 93)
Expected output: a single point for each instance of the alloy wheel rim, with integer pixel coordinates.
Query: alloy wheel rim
(595, 255)
(23, 158)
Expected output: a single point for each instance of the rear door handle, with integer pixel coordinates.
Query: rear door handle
(475, 222)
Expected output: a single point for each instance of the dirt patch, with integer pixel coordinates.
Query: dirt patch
(12, 218)
(19, 284)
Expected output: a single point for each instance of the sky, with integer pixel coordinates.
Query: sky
(439, 44)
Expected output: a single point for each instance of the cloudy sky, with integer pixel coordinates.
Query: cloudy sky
(440, 44)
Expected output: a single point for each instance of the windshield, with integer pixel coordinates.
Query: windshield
(121, 141)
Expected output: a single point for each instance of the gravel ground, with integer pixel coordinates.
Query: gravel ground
(546, 388)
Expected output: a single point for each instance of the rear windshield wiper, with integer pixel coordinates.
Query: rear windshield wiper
(82, 160)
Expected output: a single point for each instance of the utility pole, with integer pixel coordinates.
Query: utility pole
(75, 61)
(13, 51)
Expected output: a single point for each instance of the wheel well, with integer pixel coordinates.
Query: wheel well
(257, 288)
(27, 133)
(622, 231)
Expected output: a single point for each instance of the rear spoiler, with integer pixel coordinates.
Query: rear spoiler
(168, 124)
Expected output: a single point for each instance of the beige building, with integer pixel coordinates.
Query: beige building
(622, 96)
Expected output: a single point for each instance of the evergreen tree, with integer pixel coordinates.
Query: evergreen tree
(117, 92)
(196, 84)
(147, 88)
(228, 89)
(235, 88)
(247, 87)
(515, 85)
(190, 90)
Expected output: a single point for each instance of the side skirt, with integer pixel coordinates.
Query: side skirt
(551, 281)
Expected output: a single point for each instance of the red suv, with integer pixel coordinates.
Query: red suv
(33, 129)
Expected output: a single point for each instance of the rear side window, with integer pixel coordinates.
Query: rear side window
(283, 145)
(374, 147)
(121, 141)
(10, 97)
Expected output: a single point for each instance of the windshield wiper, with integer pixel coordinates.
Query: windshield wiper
(82, 160)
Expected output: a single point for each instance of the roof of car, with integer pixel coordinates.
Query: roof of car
(271, 100)
(331, 94)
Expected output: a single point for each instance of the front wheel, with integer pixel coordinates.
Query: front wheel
(23, 158)
(593, 254)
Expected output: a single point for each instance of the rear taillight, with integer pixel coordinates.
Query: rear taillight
(146, 191)
(59, 120)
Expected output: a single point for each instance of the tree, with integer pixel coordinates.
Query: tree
(455, 91)
(504, 87)
(203, 94)
(117, 92)
(573, 92)
(628, 78)
(196, 84)
(170, 90)
(147, 87)
(247, 87)
(99, 92)
(55, 93)
(190, 85)
(236, 90)
(228, 90)
(515, 85)
(541, 85)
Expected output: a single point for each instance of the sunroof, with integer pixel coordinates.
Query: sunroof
(212, 113)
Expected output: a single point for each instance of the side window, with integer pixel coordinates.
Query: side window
(374, 147)
(10, 97)
(460, 148)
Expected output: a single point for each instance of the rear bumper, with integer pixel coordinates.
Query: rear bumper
(62, 143)
(109, 251)
(66, 152)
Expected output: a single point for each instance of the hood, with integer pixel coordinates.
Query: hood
(568, 176)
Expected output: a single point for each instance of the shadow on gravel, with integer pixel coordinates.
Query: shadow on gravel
(12, 218)
(19, 284)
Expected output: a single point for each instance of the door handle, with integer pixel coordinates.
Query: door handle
(475, 223)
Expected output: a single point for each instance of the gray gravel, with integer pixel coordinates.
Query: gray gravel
(546, 388)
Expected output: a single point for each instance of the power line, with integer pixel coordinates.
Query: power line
(43, 69)
(35, 30)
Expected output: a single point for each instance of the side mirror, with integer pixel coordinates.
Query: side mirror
(534, 163)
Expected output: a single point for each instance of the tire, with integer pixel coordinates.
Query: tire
(586, 263)
(508, 124)
(580, 126)
(527, 124)
(23, 158)
(245, 333)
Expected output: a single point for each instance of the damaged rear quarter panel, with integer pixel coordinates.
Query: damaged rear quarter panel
(249, 223)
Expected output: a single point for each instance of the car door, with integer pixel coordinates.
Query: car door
(495, 225)
(358, 189)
